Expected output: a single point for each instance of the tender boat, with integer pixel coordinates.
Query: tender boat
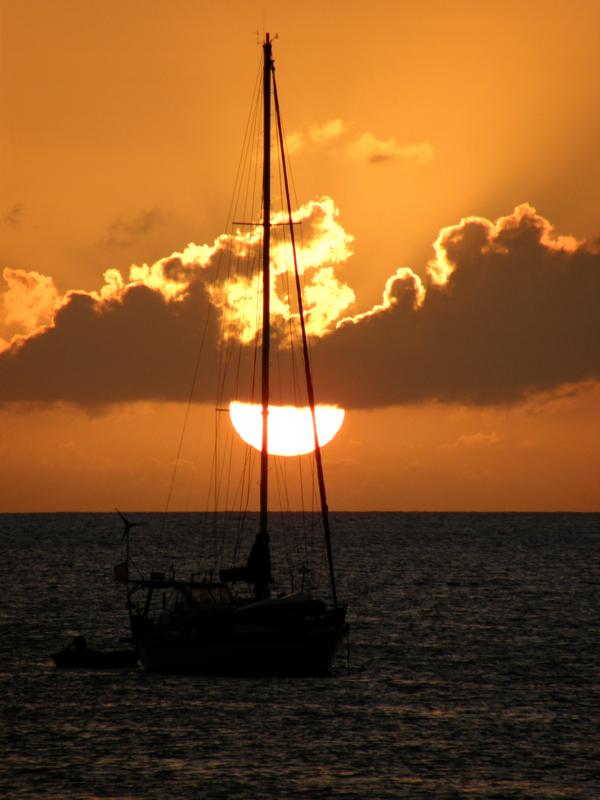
(77, 655)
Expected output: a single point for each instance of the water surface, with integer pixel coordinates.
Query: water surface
(473, 670)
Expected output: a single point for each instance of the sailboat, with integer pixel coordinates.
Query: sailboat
(203, 624)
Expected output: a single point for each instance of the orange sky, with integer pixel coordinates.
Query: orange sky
(120, 131)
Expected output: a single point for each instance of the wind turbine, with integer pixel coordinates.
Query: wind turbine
(128, 526)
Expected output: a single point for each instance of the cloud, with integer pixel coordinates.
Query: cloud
(12, 216)
(28, 304)
(132, 347)
(236, 288)
(328, 131)
(123, 232)
(138, 336)
(507, 311)
(368, 148)
(315, 135)
(295, 141)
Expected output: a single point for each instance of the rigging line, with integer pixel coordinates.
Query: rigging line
(280, 469)
(247, 136)
(284, 273)
(224, 352)
(292, 327)
(219, 518)
(244, 498)
(209, 312)
(242, 191)
(237, 359)
(266, 331)
(249, 453)
(245, 484)
(242, 491)
(253, 177)
(213, 482)
(309, 384)
(248, 265)
(226, 482)
(220, 486)
(204, 333)
(250, 270)
(282, 236)
(284, 530)
(231, 440)
(254, 267)
(228, 470)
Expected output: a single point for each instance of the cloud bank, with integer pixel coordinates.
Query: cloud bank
(506, 309)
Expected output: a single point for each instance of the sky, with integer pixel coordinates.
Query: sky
(445, 162)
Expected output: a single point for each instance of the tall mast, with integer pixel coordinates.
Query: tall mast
(266, 325)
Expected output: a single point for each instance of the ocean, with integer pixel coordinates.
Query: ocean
(472, 670)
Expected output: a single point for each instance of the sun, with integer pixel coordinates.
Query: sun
(290, 428)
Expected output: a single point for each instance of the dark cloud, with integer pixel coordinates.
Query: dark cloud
(135, 348)
(517, 316)
(379, 158)
(122, 232)
(508, 311)
(13, 216)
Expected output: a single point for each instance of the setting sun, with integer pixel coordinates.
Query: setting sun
(290, 428)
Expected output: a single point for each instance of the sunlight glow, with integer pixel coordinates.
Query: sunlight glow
(290, 428)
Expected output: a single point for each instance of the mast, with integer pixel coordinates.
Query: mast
(266, 311)
(261, 551)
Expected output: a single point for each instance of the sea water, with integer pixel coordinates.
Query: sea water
(472, 670)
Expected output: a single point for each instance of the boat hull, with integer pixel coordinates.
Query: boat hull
(253, 654)
(95, 659)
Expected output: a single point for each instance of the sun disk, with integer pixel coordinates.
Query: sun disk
(290, 429)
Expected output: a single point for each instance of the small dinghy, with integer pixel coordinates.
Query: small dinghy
(77, 655)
